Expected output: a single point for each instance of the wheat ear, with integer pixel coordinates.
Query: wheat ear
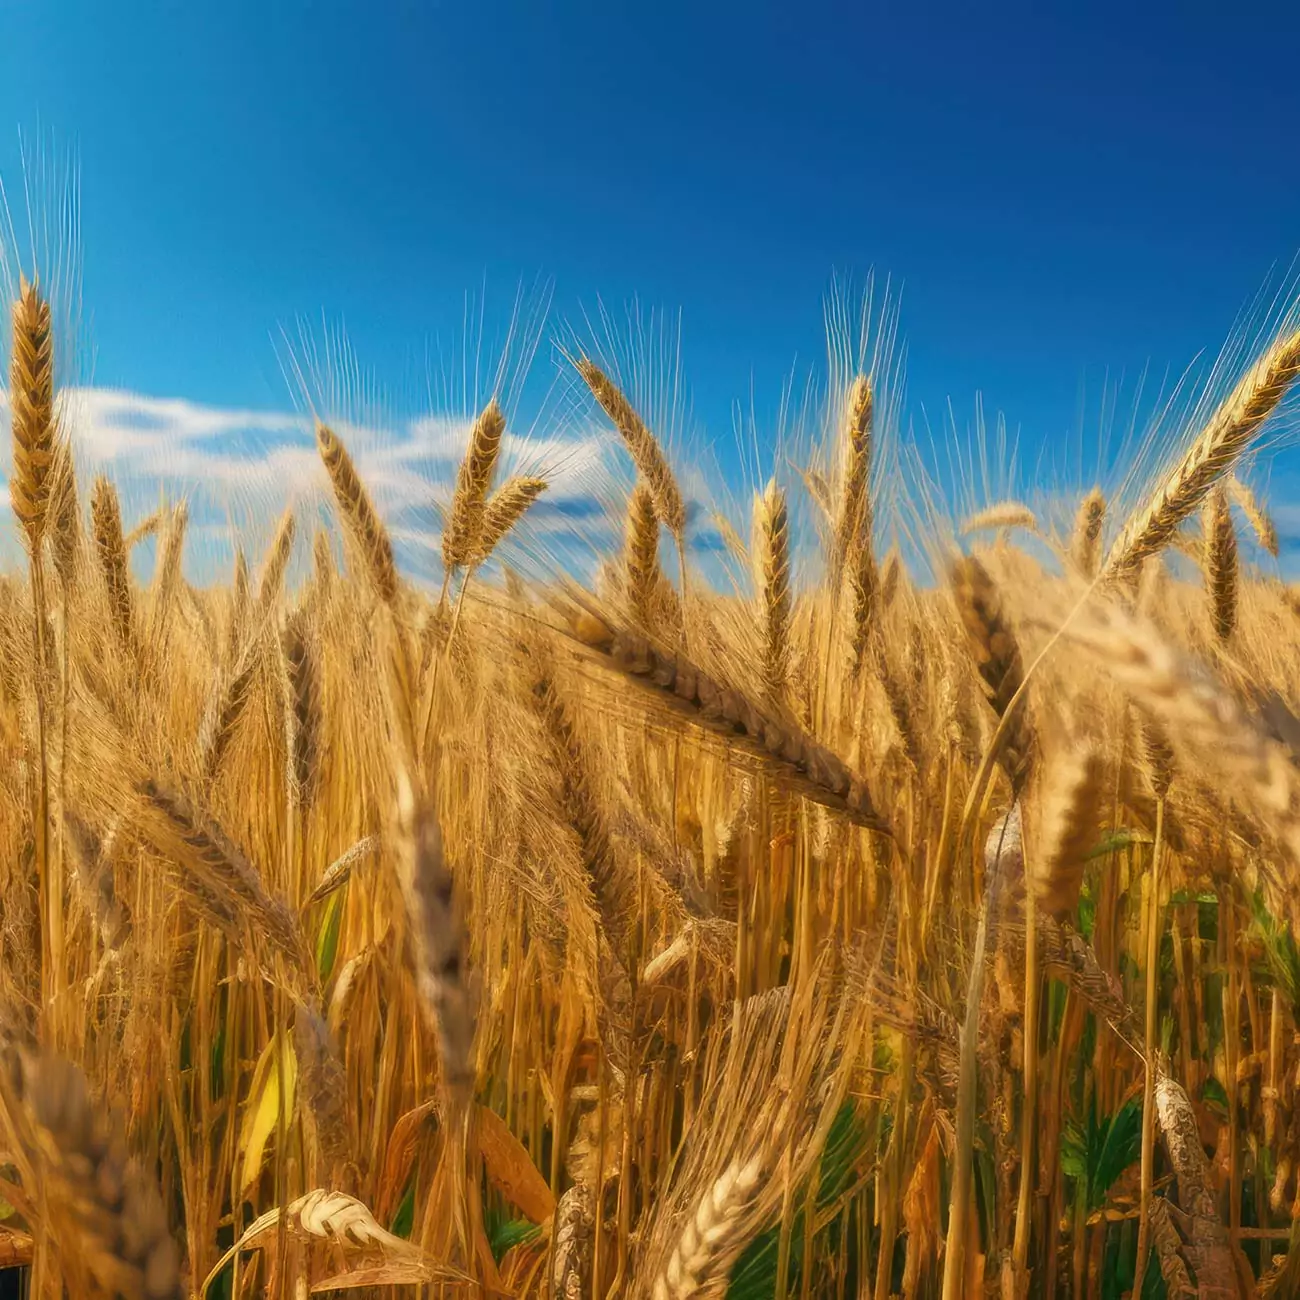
(106, 518)
(780, 745)
(64, 514)
(276, 563)
(322, 558)
(358, 511)
(642, 575)
(1261, 522)
(1002, 514)
(105, 1216)
(771, 551)
(996, 652)
(303, 707)
(438, 938)
(1085, 541)
(1221, 564)
(147, 527)
(215, 871)
(1072, 800)
(615, 896)
(31, 388)
(31, 397)
(647, 455)
(855, 470)
(1230, 430)
(504, 510)
(461, 538)
(711, 1240)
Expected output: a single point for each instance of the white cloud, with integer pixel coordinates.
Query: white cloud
(237, 469)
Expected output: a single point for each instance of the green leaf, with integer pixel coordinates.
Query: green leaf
(1098, 1151)
(1280, 951)
(1120, 839)
(1074, 1151)
(1214, 1094)
(754, 1275)
(1087, 910)
(404, 1215)
(327, 938)
(509, 1233)
(1121, 1145)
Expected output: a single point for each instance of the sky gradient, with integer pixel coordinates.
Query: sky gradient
(1059, 196)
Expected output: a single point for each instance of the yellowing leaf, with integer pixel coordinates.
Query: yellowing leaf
(510, 1169)
(262, 1110)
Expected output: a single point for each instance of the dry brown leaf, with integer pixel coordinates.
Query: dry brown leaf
(510, 1168)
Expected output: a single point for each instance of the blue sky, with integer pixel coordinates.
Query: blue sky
(1061, 191)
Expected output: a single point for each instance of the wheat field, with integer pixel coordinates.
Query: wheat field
(837, 932)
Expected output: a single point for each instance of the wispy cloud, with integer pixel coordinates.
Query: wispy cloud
(237, 469)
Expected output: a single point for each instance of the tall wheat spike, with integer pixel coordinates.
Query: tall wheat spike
(275, 564)
(462, 536)
(438, 939)
(855, 471)
(1069, 831)
(996, 652)
(1000, 515)
(358, 512)
(106, 517)
(1260, 520)
(1228, 433)
(31, 399)
(647, 455)
(707, 1242)
(771, 551)
(641, 573)
(1221, 564)
(1085, 543)
(31, 388)
(504, 510)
